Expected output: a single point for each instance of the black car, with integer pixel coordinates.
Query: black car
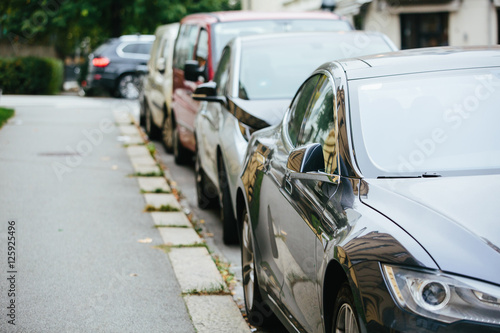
(372, 207)
(113, 65)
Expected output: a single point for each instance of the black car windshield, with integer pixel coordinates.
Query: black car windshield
(275, 68)
(441, 122)
(224, 32)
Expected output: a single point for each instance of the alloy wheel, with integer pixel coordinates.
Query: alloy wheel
(127, 87)
(346, 320)
(248, 263)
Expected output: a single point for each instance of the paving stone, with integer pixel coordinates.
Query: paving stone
(215, 314)
(144, 169)
(134, 151)
(151, 184)
(131, 139)
(170, 219)
(129, 130)
(122, 117)
(161, 199)
(143, 160)
(195, 269)
(180, 236)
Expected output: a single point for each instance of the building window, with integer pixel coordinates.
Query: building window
(424, 30)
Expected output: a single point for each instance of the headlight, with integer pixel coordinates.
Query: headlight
(246, 130)
(443, 297)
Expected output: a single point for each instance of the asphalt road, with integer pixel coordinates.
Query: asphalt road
(75, 220)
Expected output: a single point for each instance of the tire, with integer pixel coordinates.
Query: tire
(229, 225)
(152, 130)
(128, 87)
(181, 154)
(167, 134)
(258, 312)
(142, 114)
(345, 317)
(206, 192)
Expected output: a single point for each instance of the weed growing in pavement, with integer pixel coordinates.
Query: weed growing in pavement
(5, 114)
(147, 174)
(225, 272)
(157, 190)
(171, 226)
(126, 145)
(152, 149)
(162, 208)
(217, 289)
(167, 248)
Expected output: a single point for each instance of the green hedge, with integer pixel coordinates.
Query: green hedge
(31, 75)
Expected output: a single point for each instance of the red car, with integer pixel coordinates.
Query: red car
(198, 48)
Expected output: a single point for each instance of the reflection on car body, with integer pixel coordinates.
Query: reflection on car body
(376, 223)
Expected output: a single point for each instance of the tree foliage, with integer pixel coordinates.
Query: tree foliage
(66, 24)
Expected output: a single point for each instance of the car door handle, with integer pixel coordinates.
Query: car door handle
(288, 186)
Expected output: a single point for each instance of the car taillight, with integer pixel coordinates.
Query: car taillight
(100, 62)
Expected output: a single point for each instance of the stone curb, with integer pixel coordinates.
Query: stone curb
(193, 265)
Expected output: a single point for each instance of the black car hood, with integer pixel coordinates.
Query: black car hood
(456, 219)
(258, 113)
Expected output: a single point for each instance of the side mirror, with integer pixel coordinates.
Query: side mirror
(306, 159)
(161, 65)
(192, 71)
(208, 92)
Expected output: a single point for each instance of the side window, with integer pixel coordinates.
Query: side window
(319, 125)
(202, 48)
(222, 74)
(184, 48)
(299, 106)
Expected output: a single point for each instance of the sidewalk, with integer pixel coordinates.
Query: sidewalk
(88, 258)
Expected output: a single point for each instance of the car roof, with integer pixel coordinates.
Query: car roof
(137, 38)
(269, 38)
(239, 15)
(421, 60)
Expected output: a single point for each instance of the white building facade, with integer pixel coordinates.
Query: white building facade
(411, 23)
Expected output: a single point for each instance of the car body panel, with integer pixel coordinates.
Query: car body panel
(444, 225)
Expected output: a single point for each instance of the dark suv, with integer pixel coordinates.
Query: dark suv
(113, 65)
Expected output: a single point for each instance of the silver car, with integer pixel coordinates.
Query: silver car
(158, 84)
(255, 80)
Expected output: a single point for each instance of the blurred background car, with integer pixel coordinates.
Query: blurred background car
(198, 49)
(256, 78)
(112, 66)
(156, 95)
(372, 207)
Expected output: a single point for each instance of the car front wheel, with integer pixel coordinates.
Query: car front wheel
(344, 313)
(258, 312)
(167, 134)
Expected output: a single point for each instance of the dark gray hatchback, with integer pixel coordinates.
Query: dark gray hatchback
(372, 207)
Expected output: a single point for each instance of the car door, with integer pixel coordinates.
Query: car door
(156, 83)
(299, 224)
(209, 119)
(184, 106)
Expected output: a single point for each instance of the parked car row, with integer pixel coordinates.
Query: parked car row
(254, 83)
(358, 180)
